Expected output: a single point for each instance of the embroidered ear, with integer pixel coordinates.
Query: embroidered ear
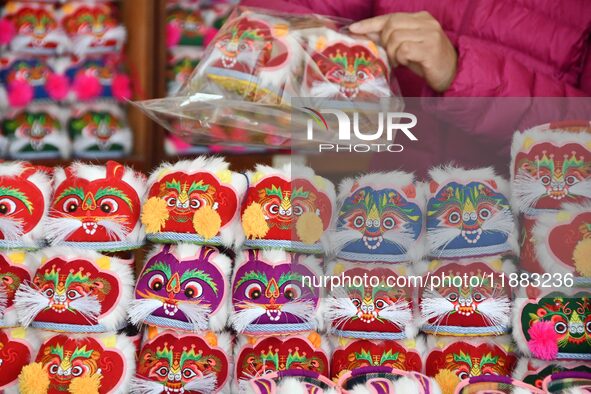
(115, 170)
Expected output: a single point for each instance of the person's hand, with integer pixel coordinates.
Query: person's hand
(415, 40)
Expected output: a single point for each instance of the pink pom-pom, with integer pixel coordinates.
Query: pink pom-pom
(121, 87)
(543, 341)
(57, 86)
(20, 93)
(7, 31)
(87, 87)
(173, 34)
(209, 35)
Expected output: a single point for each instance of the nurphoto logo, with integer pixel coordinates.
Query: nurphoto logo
(352, 139)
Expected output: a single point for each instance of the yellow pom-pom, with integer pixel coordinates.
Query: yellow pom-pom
(582, 257)
(33, 379)
(154, 214)
(253, 221)
(207, 222)
(309, 228)
(447, 381)
(87, 384)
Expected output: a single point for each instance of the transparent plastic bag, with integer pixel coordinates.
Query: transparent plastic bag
(260, 62)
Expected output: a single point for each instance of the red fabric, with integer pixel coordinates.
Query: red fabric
(506, 48)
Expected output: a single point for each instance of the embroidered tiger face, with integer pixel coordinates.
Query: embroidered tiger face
(547, 176)
(467, 216)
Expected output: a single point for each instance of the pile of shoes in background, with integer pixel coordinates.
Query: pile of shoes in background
(63, 81)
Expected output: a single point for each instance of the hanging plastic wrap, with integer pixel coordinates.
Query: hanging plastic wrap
(265, 75)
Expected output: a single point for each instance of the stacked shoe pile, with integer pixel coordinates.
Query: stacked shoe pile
(191, 213)
(62, 81)
(551, 170)
(75, 297)
(465, 305)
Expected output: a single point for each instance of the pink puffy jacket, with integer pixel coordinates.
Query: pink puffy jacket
(506, 48)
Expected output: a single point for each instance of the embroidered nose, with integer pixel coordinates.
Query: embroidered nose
(174, 284)
(272, 290)
(89, 203)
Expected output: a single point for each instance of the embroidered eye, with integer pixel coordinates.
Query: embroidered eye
(73, 294)
(193, 290)
(560, 327)
(453, 297)
(77, 370)
(71, 205)
(359, 221)
(571, 180)
(242, 46)
(545, 180)
(389, 223)
(171, 202)
(463, 375)
(454, 217)
(188, 373)
(588, 327)
(356, 302)
(156, 282)
(478, 297)
(361, 75)
(48, 293)
(274, 209)
(253, 291)
(108, 205)
(484, 213)
(381, 304)
(53, 369)
(195, 203)
(7, 206)
(162, 371)
(292, 292)
(297, 210)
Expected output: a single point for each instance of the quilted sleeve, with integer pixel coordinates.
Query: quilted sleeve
(350, 9)
(487, 70)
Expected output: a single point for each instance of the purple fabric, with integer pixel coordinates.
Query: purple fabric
(193, 290)
(506, 48)
(368, 370)
(297, 373)
(491, 378)
(571, 375)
